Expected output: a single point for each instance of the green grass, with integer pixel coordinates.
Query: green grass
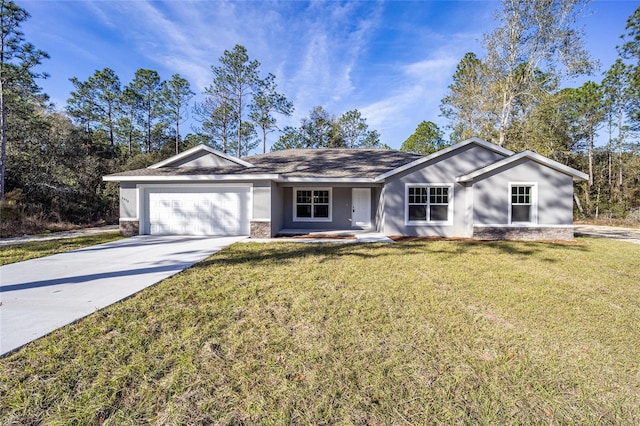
(444, 332)
(30, 250)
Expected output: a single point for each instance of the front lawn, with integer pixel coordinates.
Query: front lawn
(33, 249)
(408, 333)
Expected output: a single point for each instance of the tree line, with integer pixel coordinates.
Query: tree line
(145, 115)
(52, 162)
(514, 96)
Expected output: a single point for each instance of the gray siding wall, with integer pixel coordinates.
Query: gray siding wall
(555, 194)
(341, 208)
(443, 169)
(377, 208)
(277, 201)
(262, 200)
(128, 201)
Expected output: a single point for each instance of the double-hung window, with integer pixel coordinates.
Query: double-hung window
(429, 204)
(522, 207)
(312, 204)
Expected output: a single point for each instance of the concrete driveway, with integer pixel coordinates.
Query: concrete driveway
(631, 235)
(41, 295)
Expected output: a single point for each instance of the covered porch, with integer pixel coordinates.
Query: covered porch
(341, 210)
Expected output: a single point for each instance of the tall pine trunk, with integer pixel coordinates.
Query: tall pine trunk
(240, 124)
(3, 130)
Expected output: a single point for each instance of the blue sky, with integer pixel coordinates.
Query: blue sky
(392, 60)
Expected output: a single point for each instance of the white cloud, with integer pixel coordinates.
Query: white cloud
(419, 88)
(332, 38)
(423, 85)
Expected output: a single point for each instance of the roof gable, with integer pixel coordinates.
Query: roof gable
(200, 156)
(530, 155)
(476, 141)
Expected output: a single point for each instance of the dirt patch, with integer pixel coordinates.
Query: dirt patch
(38, 226)
(401, 238)
(611, 222)
(317, 236)
(406, 239)
(80, 232)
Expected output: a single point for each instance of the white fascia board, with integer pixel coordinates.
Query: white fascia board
(477, 141)
(325, 180)
(577, 175)
(191, 178)
(197, 149)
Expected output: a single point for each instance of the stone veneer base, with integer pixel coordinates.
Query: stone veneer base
(524, 233)
(129, 228)
(260, 229)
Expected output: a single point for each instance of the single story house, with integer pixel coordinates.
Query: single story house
(473, 189)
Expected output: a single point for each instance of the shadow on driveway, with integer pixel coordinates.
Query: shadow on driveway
(79, 279)
(631, 235)
(43, 294)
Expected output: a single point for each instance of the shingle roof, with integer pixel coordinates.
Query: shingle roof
(354, 163)
(183, 171)
(320, 163)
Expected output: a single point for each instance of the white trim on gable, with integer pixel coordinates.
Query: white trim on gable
(577, 175)
(195, 150)
(477, 141)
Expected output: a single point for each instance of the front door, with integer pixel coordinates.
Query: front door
(361, 207)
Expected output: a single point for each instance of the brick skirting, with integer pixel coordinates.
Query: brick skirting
(129, 227)
(523, 233)
(260, 229)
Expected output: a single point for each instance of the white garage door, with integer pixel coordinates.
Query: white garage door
(204, 211)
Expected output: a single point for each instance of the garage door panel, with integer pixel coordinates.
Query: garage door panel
(198, 212)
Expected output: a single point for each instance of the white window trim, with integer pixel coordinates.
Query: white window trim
(294, 202)
(534, 203)
(449, 220)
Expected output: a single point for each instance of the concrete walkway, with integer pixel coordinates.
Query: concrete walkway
(40, 295)
(631, 235)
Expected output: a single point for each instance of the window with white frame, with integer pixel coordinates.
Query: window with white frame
(429, 204)
(522, 203)
(312, 204)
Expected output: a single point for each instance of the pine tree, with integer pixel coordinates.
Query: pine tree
(17, 60)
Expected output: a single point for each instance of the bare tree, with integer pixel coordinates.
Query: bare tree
(534, 38)
(176, 94)
(266, 101)
(237, 79)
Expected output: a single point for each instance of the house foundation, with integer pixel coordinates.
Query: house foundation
(260, 229)
(524, 233)
(129, 228)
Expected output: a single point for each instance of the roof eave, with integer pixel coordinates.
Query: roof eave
(191, 178)
(294, 179)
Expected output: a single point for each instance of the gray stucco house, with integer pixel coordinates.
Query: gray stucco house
(473, 189)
